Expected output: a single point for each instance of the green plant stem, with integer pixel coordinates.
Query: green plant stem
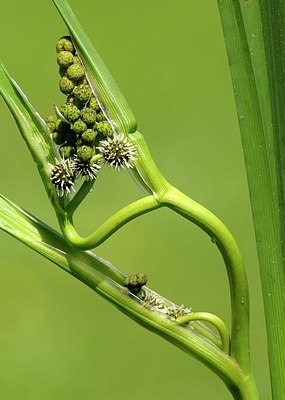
(207, 333)
(169, 196)
(79, 197)
(212, 319)
(120, 218)
(224, 240)
(254, 35)
(51, 245)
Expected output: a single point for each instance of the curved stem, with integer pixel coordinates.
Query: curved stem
(79, 196)
(224, 240)
(115, 222)
(212, 319)
(171, 197)
(207, 333)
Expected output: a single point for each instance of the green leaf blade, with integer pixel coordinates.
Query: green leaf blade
(254, 61)
(33, 130)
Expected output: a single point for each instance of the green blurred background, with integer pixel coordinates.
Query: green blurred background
(58, 339)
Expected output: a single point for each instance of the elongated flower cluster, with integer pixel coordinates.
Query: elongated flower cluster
(80, 127)
(156, 302)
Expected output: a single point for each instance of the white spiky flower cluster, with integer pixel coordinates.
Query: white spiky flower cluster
(63, 176)
(157, 302)
(87, 170)
(175, 312)
(153, 301)
(118, 151)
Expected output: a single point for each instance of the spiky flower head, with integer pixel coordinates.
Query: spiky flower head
(63, 176)
(175, 311)
(86, 169)
(118, 151)
(153, 300)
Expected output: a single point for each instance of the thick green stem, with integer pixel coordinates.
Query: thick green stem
(224, 240)
(79, 197)
(115, 222)
(215, 321)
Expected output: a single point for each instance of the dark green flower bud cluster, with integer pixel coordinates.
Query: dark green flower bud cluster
(80, 124)
(135, 282)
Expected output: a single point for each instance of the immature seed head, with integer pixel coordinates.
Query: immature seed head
(89, 136)
(93, 103)
(64, 59)
(88, 115)
(66, 86)
(82, 93)
(85, 153)
(75, 72)
(104, 128)
(76, 60)
(135, 282)
(118, 151)
(79, 126)
(70, 112)
(63, 177)
(100, 116)
(66, 151)
(65, 44)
